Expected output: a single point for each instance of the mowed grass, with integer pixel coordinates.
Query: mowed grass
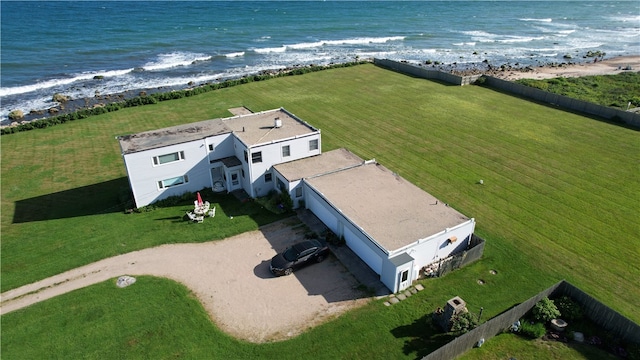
(559, 200)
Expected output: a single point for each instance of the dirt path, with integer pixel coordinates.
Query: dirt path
(226, 276)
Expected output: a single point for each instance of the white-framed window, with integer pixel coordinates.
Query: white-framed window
(268, 177)
(313, 144)
(212, 147)
(286, 151)
(299, 192)
(256, 157)
(167, 183)
(168, 158)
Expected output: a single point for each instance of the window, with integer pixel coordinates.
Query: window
(212, 147)
(256, 157)
(404, 276)
(313, 144)
(163, 184)
(246, 156)
(286, 151)
(168, 158)
(299, 192)
(267, 177)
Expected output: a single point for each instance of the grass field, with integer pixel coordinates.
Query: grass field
(559, 201)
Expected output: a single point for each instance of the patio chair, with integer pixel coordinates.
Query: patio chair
(192, 216)
(212, 212)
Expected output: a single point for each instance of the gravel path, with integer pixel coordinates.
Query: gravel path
(230, 277)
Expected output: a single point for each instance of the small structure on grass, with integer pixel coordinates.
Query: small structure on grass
(455, 306)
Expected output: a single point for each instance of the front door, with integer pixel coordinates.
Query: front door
(235, 180)
(405, 280)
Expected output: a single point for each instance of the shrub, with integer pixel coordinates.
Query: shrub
(532, 330)
(545, 310)
(569, 309)
(287, 203)
(462, 323)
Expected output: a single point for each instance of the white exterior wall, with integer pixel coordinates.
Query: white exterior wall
(272, 155)
(144, 175)
(357, 241)
(431, 249)
(223, 146)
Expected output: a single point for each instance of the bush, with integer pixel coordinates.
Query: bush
(545, 310)
(464, 322)
(287, 203)
(569, 309)
(532, 330)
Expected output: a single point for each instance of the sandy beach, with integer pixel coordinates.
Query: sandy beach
(600, 67)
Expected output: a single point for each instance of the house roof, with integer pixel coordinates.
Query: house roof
(259, 128)
(252, 129)
(320, 164)
(393, 211)
(172, 135)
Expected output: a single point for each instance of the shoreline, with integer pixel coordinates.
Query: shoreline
(590, 67)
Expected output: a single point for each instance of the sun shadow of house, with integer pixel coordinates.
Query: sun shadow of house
(100, 198)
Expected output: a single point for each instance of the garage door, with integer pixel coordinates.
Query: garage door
(321, 209)
(358, 243)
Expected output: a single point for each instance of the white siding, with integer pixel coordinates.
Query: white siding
(144, 175)
(272, 155)
(354, 238)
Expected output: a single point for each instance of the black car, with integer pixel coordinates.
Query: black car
(298, 255)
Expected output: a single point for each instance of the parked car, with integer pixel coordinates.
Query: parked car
(298, 255)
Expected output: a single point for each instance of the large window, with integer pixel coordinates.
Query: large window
(313, 144)
(168, 158)
(256, 157)
(167, 183)
(286, 151)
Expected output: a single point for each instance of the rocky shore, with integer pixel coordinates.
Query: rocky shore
(591, 66)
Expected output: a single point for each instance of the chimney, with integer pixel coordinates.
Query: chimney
(277, 123)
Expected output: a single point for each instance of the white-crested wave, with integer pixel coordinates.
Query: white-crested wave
(175, 59)
(487, 37)
(537, 20)
(234, 54)
(47, 84)
(321, 43)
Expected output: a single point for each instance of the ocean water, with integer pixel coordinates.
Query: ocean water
(52, 47)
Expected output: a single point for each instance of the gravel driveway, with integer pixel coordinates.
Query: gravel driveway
(232, 280)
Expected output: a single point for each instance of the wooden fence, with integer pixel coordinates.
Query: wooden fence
(472, 253)
(597, 312)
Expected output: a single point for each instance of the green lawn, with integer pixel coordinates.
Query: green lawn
(559, 201)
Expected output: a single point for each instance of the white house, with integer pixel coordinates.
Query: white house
(223, 154)
(392, 225)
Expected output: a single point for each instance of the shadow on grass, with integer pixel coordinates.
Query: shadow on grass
(423, 336)
(101, 198)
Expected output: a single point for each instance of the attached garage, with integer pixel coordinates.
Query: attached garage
(395, 227)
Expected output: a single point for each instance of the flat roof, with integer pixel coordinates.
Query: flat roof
(252, 129)
(172, 135)
(393, 211)
(320, 164)
(259, 128)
